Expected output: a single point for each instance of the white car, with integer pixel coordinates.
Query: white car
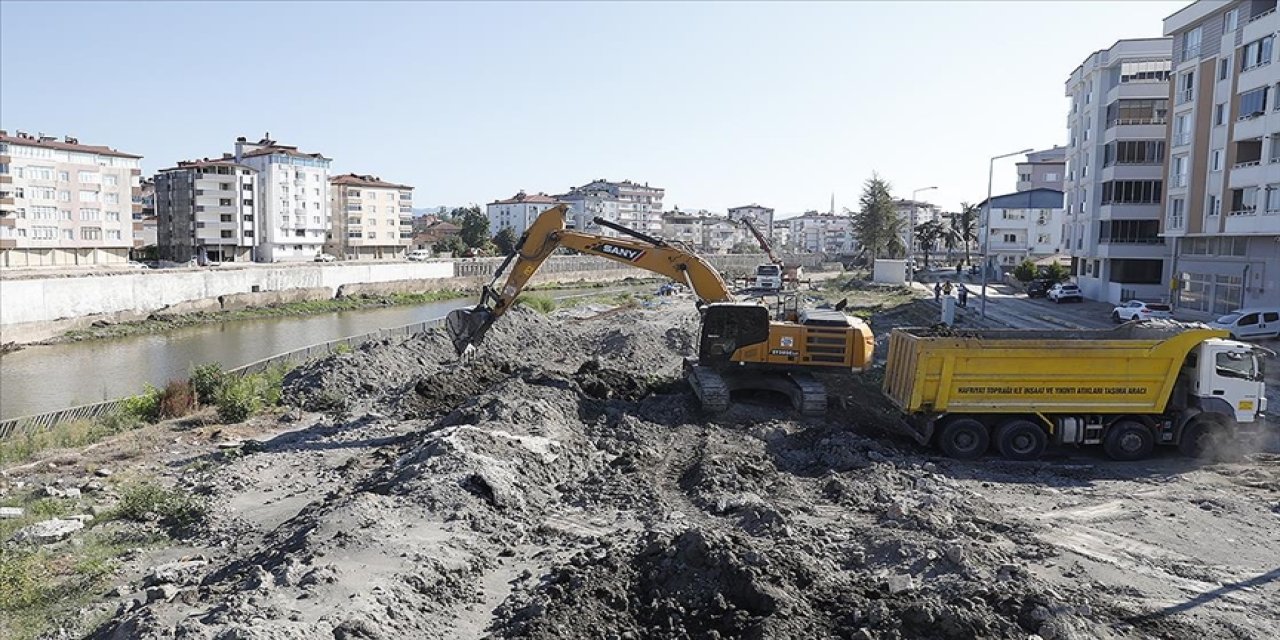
(1250, 324)
(418, 255)
(1139, 310)
(325, 257)
(1065, 291)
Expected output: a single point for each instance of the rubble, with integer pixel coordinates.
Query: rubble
(47, 531)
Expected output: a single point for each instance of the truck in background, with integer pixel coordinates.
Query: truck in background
(1128, 389)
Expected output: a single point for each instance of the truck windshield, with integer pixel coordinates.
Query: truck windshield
(1234, 365)
(767, 270)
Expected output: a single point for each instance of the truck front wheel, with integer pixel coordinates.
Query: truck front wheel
(1129, 440)
(1021, 440)
(964, 439)
(1207, 438)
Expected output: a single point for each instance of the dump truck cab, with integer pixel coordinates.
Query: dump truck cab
(769, 277)
(1227, 379)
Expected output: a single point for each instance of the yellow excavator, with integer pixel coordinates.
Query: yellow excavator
(741, 346)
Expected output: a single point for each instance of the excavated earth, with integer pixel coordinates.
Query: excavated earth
(562, 483)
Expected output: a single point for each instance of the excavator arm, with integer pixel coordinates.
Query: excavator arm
(468, 326)
(763, 241)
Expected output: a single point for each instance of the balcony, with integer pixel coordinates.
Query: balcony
(1185, 95)
(1180, 138)
(1252, 223)
(1189, 53)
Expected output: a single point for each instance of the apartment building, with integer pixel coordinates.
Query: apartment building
(145, 232)
(64, 203)
(518, 212)
(1222, 207)
(761, 217)
(1043, 169)
(782, 235)
(293, 217)
(630, 204)
(828, 233)
(913, 214)
(704, 231)
(1114, 183)
(1024, 225)
(206, 210)
(372, 218)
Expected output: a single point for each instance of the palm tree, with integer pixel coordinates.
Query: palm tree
(927, 236)
(965, 226)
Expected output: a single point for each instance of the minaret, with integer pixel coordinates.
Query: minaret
(833, 203)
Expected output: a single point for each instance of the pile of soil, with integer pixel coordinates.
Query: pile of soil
(565, 484)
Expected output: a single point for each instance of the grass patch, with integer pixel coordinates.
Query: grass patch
(178, 512)
(66, 435)
(310, 307)
(537, 302)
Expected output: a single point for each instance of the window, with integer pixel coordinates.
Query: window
(1129, 232)
(111, 198)
(1253, 103)
(1215, 205)
(109, 180)
(1186, 86)
(1215, 160)
(224, 202)
(1257, 53)
(1136, 271)
(64, 196)
(248, 202)
(1024, 177)
(1195, 292)
(1177, 213)
(44, 233)
(1224, 68)
(44, 213)
(64, 176)
(1042, 238)
(113, 216)
(68, 234)
(1273, 198)
(90, 214)
(1220, 114)
(1181, 130)
(227, 233)
(1230, 21)
(113, 234)
(1010, 238)
(1227, 293)
(1133, 152)
(315, 219)
(88, 196)
(64, 214)
(1148, 71)
(1178, 172)
(1050, 177)
(224, 186)
(1191, 44)
(90, 177)
(373, 235)
(315, 205)
(226, 217)
(90, 233)
(1132, 191)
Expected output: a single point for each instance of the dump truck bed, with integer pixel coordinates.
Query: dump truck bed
(1130, 369)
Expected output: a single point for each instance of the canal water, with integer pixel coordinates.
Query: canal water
(43, 378)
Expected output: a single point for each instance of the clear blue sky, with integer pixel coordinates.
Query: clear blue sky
(721, 103)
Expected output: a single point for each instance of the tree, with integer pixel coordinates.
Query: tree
(964, 226)
(452, 245)
(505, 240)
(746, 247)
(1025, 272)
(876, 222)
(475, 226)
(928, 234)
(1055, 272)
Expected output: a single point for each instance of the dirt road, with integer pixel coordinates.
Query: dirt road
(563, 484)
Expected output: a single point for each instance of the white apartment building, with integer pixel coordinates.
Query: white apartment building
(65, 203)
(519, 211)
(782, 235)
(923, 212)
(293, 218)
(704, 232)
(1024, 225)
(761, 217)
(1044, 169)
(814, 232)
(1222, 207)
(637, 206)
(372, 218)
(1116, 150)
(206, 210)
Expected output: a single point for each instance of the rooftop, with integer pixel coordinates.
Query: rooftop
(524, 198)
(751, 206)
(68, 143)
(358, 180)
(225, 161)
(1030, 199)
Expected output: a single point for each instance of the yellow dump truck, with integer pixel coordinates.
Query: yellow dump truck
(1128, 389)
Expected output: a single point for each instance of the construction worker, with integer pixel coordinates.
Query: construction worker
(937, 291)
(962, 294)
(946, 288)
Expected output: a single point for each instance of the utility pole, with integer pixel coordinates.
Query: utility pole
(911, 236)
(986, 227)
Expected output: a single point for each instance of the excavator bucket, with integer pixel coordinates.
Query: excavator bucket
(467, 326)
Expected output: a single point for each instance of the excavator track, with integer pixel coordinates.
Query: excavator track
(708, 385)
(713, 388)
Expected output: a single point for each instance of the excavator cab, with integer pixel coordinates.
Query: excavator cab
(727, 327)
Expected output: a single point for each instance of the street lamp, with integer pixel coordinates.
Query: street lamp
(911, 236)
(986, 227)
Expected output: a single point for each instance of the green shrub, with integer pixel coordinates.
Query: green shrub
(238, 399)
(178, 399)
(1025, 272)
(342, 348)
(145, 407)
(1055, 272)
(206, 379)
(177, 511)
(539, 303)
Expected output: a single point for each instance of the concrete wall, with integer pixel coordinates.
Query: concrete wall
(46, 299)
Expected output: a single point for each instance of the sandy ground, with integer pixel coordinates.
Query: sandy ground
(563, 483)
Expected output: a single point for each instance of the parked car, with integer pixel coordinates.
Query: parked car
(137, 265)
(1251, 324)
(418, 255)
(1064, 292)
(1038, 288)
(324, 257)
(1139, 310)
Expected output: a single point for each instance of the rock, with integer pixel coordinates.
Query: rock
(900, 584)
(71, 492)
(103, 472)
(229, 444)
(53, 492)
(929, 467)
(955, 553)
(161, 593)
(118, 591)
(11, 512)
(82, 517)
(92, 486)
(897, 511)
(182, 572)
(48, 531)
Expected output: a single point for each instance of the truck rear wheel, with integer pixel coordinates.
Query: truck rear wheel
(964, 439)
(1129, 440)
(1021, 440)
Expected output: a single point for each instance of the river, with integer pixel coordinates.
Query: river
(43, 378)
